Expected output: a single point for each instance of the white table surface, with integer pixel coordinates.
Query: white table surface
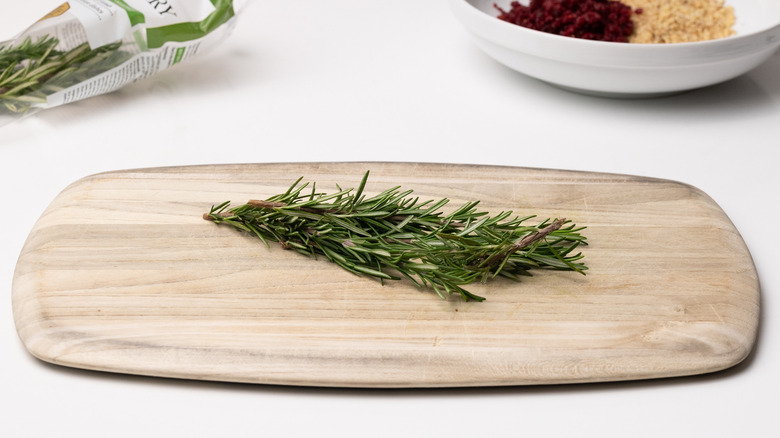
(347, 80)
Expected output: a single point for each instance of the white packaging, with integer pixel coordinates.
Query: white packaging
(98, 46)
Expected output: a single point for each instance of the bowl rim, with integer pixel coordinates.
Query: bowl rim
(594, 52)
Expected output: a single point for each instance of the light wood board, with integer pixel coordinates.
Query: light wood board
(122, 274)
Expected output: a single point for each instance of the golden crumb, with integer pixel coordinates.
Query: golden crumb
(680, 21)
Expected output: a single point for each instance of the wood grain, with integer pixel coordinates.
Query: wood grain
(122, 274)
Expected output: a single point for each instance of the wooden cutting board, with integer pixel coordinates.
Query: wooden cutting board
(122, 274)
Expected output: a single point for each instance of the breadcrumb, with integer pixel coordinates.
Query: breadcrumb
(680, 21)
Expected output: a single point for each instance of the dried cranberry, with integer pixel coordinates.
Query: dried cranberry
(602, 20)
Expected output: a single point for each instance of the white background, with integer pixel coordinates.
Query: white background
(347, 80)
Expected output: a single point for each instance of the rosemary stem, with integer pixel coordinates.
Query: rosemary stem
(265, 204)
(271, 205)
(525, 241)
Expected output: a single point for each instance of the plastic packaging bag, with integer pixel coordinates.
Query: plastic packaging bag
(85, 48)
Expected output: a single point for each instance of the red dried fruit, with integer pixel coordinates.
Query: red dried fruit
(602, 20)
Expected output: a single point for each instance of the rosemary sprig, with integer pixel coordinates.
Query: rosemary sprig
(394, 235)
(32, 70)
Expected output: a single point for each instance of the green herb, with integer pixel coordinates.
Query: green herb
(394, 235)
(30, 71)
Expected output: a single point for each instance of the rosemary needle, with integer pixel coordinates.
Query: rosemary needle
(32, 70)
(394, 235)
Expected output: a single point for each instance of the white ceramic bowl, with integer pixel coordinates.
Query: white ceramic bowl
(623, 69)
